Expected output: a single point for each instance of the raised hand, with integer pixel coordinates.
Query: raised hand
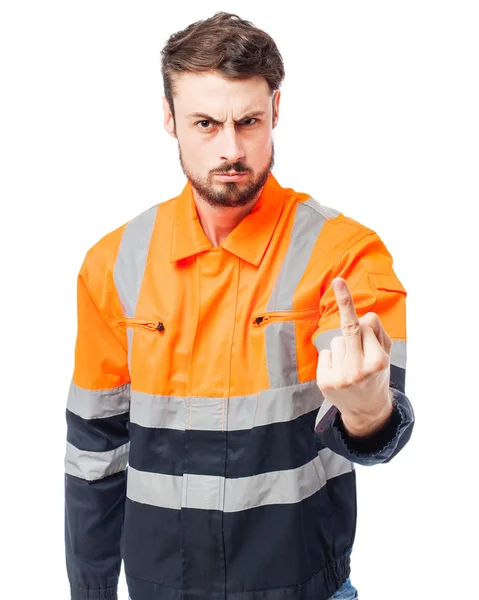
(354, 373)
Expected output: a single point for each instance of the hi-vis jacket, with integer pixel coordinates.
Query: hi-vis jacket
(196, 367)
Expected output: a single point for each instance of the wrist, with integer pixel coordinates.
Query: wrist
(363, 424)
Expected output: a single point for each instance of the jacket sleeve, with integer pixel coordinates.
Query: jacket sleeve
(367, 267)
(97, 445)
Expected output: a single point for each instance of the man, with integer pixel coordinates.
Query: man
(241, 346)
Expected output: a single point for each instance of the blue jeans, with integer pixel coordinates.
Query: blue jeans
(346, 592)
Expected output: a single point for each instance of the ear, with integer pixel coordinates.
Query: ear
(168, 122)
(276, 98)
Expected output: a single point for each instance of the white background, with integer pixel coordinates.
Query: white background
(378, 118)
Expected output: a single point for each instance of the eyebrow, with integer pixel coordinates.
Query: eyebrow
(249, 115)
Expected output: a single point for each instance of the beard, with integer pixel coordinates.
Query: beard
(228, 194)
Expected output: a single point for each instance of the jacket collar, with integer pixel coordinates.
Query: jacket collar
(248, 240)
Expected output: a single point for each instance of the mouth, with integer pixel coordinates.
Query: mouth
(230, 176)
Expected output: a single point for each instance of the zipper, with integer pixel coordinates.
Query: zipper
(142, 324)
(284, 315)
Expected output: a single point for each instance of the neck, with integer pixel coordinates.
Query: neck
(219, 221)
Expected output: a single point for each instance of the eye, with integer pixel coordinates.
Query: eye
(204, 124)
(248, 124)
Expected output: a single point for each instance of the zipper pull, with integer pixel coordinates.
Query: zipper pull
(259, 320)
(155, 326)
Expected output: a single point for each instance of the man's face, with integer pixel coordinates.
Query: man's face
(222, 127)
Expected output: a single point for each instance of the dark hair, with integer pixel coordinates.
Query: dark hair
(235, 48)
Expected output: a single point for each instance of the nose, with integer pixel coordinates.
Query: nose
(231, 149)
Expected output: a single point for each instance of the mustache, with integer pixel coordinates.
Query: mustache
(236, 168)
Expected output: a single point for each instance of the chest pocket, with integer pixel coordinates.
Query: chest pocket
(277, 316)
(289, 352)
(386, 281)
(145, 342)
(155, 325)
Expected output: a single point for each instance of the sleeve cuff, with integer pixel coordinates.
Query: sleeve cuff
(377, 442)
(78, 593)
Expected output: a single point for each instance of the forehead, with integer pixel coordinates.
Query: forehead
(210, 92)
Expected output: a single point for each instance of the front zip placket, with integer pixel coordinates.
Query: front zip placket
(209, 380)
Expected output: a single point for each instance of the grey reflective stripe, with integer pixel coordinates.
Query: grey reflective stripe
(399, 353)
(304, 234)
(280, 337)
(284, 487)
(129, 337)
(326, 211)
(130, 264)
(325, 406)
(281, 354)
(95, 465)
(398, 349)
(225, 414)
(334, 464)
(323, 340)
(208, 492)
(131, 259)
(155, 489)
(98, 404)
